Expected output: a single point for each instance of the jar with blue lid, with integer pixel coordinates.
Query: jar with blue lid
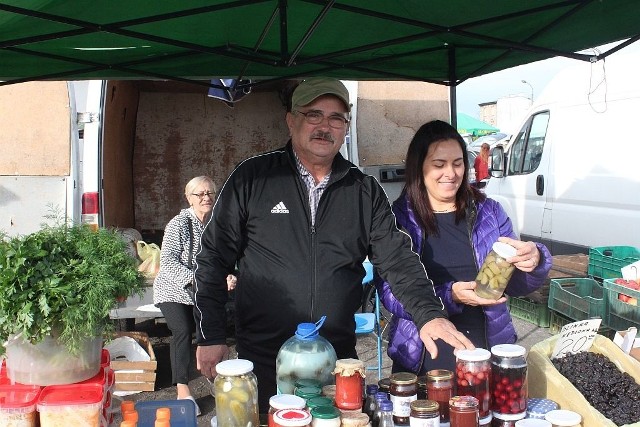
(538, 407)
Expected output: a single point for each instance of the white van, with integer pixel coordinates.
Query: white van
(571, 176)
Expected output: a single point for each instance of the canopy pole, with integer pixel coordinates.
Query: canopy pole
(453, 99)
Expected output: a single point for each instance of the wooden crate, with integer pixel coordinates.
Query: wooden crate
(132, 375)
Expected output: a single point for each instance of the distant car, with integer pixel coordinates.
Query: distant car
(492, 139)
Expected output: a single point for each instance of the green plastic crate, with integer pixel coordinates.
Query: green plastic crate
(605, 262)
(557, 321)
(620, 315)
(531, 311)
(577, 298)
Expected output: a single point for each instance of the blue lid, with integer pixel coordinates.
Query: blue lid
(386, 405)
(309, 331)
(538, 407)
(381, 395)
(372, 388)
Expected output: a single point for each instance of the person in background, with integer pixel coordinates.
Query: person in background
(481, 163)
(180, 243)
(452, 227)
(299, 221)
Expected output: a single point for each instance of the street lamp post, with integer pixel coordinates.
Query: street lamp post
(527, 83)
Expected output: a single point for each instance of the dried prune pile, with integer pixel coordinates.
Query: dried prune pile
(615, 394)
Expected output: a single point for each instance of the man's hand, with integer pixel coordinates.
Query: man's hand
(443, 329)
(464, 293)
(208, 356)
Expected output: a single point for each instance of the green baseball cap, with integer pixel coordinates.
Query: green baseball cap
(314, 87)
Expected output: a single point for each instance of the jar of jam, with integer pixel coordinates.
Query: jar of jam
(473, 374)
(463, 411)
(508, 379)
(422, 387)
(506, 420)
(349, 375)
(384, 385)
(236, 392)
(440, 389)
(424, 413)
(538, 407)
(563, 418)
(283, 401)
(403, 391)
(291, 418)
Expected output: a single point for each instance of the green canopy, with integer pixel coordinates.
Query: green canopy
(468, 125)
(439, 41)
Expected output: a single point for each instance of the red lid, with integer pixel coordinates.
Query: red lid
(18, 396)
(71, 394)
(105, 358)
(100, 378)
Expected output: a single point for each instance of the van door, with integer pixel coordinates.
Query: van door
(522, 190)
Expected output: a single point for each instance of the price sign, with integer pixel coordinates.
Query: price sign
(576, 337)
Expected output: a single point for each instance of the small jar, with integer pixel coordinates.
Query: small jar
(422, 387)
(354, 419)
(532, 422)
(440, 389)
(563, 418)
(325, 416)
(291, 418)
(537, 407)
(505, 420)
(384, 385)
(349, 375)
(308, 392)
(463, 411)
(236, 393)
(424, 413)
(473, 374)
(283, 401)
(403, 391)
(508, 379)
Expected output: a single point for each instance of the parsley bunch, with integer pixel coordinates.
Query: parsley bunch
(63, 281)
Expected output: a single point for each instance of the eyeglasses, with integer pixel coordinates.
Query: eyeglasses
(201, 195)
(314, 117)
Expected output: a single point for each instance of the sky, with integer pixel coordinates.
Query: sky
(491, 87)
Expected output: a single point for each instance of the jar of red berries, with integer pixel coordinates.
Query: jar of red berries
(508, 379)
(473, 372)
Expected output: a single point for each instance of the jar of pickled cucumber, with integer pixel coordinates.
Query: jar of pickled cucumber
(495, 272)
(235, 390)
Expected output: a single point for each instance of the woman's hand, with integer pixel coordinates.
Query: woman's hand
(463, 293)
(527, 254)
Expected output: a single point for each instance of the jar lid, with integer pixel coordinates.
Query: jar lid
(308, 392)
(384, 383)
(537, 407)
(314, 402)
(439, 375)
(326, 412)
(349, 367)
(508, 350)
(403, 378)
(533, 422)
(329, 390)
(504, 250)
(234, 367)
(508, 417)
(307, 382)
(386, 405)
(354, 419)
(292, 417)
(475, 355)
(463, 402)
(371, 388)
(381, 395)
(286, 401)
(424, 405)
(563, 417)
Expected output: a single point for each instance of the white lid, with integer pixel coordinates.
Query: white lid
(562, 417)
(508, 350)
(508, 417)
(533, 422)
(234, 367)
(475, 355)
(504, 250)
(287, 401)
(292, 417)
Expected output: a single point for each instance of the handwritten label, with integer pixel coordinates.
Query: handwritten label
(576, 337)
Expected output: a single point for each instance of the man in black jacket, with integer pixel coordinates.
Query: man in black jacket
(299, 222)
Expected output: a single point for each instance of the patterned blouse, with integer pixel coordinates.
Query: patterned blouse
(174, 272)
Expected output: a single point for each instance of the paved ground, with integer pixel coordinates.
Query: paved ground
(528, 333)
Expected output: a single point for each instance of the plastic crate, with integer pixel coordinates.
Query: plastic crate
(620, 315)
(531, 311)
(577, 298)
(605, 262)
(557, 321)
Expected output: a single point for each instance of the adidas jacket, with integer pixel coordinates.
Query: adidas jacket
(291, 272)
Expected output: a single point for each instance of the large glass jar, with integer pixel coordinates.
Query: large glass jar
(473, 374)
(349, 378)
(440, 389)
(305, 355)
(508, 379)
(463, 411)
(235, 389)
(495, 272)
(403, 391)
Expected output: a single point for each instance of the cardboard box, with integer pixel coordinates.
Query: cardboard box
(136, 375)
(635, 346)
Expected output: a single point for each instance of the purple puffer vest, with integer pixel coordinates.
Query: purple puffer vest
(491, 222)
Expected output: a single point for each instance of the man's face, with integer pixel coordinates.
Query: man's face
(318, 143)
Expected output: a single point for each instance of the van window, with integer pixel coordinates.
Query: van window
(526, 150)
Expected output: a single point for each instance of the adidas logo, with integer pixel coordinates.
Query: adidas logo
(279, 208)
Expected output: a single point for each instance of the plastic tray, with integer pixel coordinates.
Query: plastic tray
(620, 315)
(183, 412)
(605, 262)
(531, 311)
(577, 298)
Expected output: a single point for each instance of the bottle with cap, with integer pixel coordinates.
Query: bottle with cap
(386, 414)
(163, 413)
(370, 401)
(236, 393)
(349, 375)
(563, 418)
(283, 401)
(305, 355)
(538, 407)
(509, 379)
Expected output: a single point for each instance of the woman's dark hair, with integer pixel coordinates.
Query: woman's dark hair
(414, 187)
